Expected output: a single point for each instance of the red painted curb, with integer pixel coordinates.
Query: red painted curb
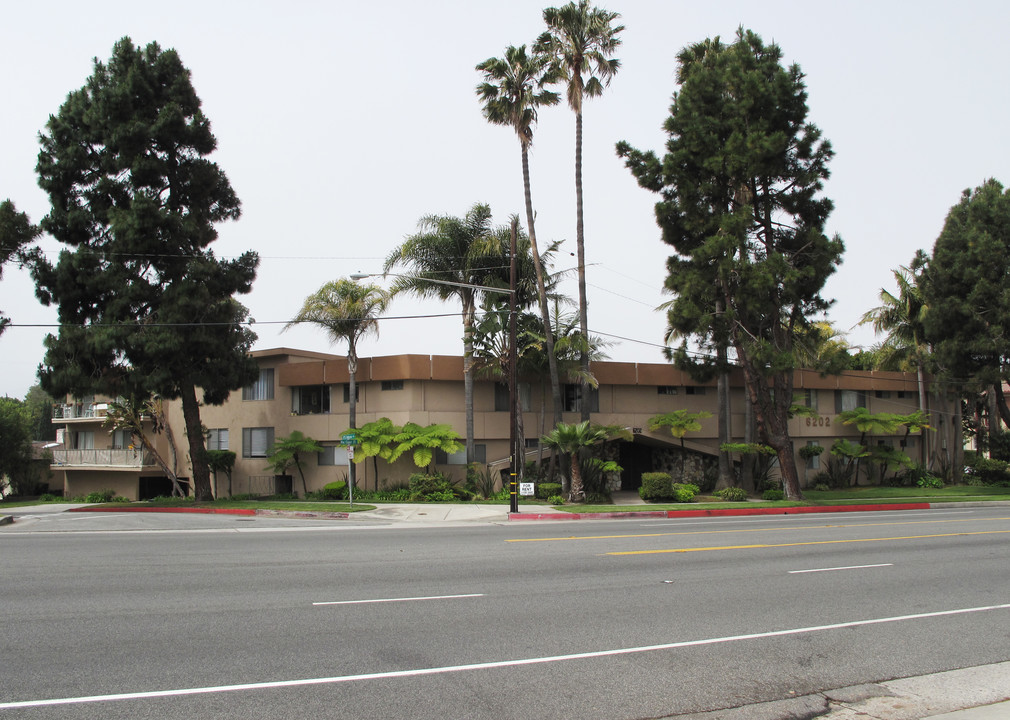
(718, 512)
(204, 511)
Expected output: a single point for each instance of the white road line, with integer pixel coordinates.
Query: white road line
(847, 567)
(403, 599)
(488, 665)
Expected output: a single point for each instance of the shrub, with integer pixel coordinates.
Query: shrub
(929, 481)
(330, 492)
(556, 500)
(772, 494)
(435, 487)
(101, 496)
(684, 492)
(547, 490)
(120, 499)
(243, 496)
(821, 487)
(49, 497)
(732, 494)
(990, 472)
(656, 486)
(598, 498)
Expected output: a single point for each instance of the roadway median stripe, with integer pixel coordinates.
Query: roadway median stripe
(742, 530)
(492, 665)
(810, 542)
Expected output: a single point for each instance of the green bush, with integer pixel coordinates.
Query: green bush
(547, 490)
(435, 487)
(49, 497)
(101, 496)
(556, 500)
(821, 487)
(656, 486)
(684, 492)
(929, 481)
(990, 472)
(330, 492)
(732, 494)
(773, 495)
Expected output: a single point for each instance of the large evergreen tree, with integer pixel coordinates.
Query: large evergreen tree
(145, 308)
(16, 232)
(739, 204)
(968, 322)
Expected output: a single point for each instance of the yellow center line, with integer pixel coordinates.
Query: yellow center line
(813, 542)
(740, 530)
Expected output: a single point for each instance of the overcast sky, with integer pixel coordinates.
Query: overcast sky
(340, 124)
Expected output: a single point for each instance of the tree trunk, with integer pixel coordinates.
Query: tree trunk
(194, 433)
(580, 241)
(748, 461)
(723, 402)
(578, 494)
(552, 360)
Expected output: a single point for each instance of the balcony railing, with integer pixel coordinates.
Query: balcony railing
(107, 457)
(79, 411)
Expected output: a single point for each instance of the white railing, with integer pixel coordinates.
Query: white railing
(107, 457)
(79, 411)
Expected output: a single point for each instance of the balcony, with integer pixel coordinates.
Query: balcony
(80, 411)
(107, 457)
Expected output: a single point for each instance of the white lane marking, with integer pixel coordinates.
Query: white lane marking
(489, 665)
(847, 567)
(403, 599)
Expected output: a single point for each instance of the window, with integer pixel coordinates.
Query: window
(809, 398)
(882, 394)
(84, 440)
(217, 439)
(501, 396)
(347, 392)
(392, 384)
(694, 390)
(262, 389)
(333, 455)
(310, 399)
(459, 458)
(846, 400)
(901, 394)
(121, 439)
(571, 398)
(532, 443)
(256, 442)
(666, 390)
(813, 463)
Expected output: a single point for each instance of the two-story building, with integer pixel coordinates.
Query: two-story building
(309, 392)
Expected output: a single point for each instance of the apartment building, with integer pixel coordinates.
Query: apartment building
(309, 392)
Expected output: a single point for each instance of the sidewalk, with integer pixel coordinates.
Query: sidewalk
(975, 693)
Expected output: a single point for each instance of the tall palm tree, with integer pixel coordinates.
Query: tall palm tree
(901, 318)
(451, 257)
(347, 311)
(580, 40)
(512, 91)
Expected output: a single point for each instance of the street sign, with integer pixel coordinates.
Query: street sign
(350, 452)
(349, 439)
(526, 489)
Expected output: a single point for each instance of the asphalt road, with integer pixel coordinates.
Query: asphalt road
(195, 616)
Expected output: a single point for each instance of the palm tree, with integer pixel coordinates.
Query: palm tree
(512, 91)
(451, 257)
(901, 317)
(347, 311)
(580, 40)
(571, 439)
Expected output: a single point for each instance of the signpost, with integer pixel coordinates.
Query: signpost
(350, 440)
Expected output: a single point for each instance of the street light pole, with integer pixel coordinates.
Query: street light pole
(518, 457)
